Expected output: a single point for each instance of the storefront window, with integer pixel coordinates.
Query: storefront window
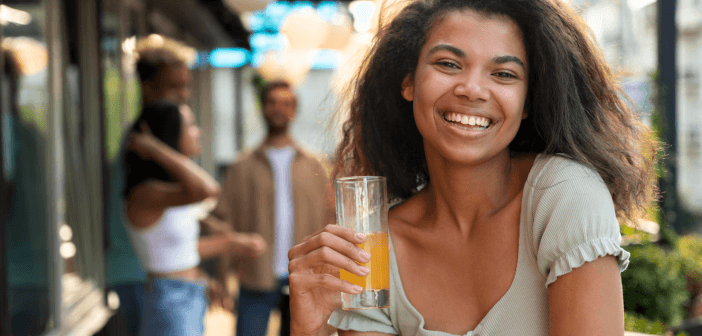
(25, 136)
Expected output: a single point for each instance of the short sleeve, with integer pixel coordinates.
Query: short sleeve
(574, 220)
(377, 320)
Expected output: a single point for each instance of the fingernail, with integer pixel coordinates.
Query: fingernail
(361, 236)
(365, 255)
(357, 288)
(365, 270)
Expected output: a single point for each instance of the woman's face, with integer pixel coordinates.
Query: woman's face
(469, 88)
(190, 133)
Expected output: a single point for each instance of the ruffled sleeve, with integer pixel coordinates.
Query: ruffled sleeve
(574, 220)
(377, 320)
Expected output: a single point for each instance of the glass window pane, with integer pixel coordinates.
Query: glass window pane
(25, 135)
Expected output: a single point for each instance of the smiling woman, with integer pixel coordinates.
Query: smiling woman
(510, 177)
(465, 74)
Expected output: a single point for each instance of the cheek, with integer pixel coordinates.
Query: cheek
(422, 119)
(512, 102)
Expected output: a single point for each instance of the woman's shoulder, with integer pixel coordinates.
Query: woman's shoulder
(554, 169)
(409, 213)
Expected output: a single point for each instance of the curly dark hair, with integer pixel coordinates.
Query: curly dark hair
(165, 122)
(574, 103)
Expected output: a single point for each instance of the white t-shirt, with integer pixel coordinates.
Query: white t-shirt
(281, 161)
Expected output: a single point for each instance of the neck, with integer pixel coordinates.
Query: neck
(278, 139)
(467, 195)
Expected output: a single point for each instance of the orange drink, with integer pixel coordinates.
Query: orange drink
(379, 277)
(361, 205)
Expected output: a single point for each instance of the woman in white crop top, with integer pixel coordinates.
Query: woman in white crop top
(163, 194)
(505, 138)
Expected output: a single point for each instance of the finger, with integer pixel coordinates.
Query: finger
(336, 242)
(344, 232)
(303, 282)
(327, 256)
(308, 243)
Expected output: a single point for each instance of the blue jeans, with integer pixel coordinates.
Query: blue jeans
(130, 301)
(173, 307)
(255, 308)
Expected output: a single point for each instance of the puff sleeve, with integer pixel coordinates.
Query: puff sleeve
(377, 320)
(574, 220)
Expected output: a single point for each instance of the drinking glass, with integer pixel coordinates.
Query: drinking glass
(361, 204)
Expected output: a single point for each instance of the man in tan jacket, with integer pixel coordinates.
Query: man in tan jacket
(281, 193)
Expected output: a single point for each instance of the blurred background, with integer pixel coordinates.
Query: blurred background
(73, 90)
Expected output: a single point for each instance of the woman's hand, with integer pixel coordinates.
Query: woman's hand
(314, 276)
(250, 245)
(143, 142)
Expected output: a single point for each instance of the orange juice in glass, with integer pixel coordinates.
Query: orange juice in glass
(361, 204)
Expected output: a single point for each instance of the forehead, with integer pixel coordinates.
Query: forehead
(494, 34)
(175, 73)
(281, 93)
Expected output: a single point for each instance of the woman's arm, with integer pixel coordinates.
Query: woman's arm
(588, 300)
(249, 245)
(214, 225)
(147, 201)
(193, 184)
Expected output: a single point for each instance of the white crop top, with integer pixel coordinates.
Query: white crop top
(171, 243)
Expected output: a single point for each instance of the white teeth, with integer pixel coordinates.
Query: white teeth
(467, 120)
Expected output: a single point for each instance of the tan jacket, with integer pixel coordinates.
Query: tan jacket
(247, 200)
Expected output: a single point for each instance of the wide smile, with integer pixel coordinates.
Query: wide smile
(466, 121)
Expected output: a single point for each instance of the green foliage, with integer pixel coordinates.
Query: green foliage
(690, 248)
(633, 322)
(259, 83)
(631, 235)
(655, 285)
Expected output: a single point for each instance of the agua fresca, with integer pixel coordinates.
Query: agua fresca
(379, 277)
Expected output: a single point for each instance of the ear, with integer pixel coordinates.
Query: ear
(525, 114)
(408, 88)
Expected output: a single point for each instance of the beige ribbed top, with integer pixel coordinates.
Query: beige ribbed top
(567, 219)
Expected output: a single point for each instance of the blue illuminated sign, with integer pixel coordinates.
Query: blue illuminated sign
(265, 25)
(229, 57)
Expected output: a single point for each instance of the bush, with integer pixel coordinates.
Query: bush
(655, 286)
(640, 324)
(690, 247)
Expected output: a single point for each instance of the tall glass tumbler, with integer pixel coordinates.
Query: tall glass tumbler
(361, 204)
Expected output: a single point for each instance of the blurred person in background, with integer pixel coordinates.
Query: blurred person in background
(163, 70)
(23, 176)
(163, 195)
(163, 73)
(280, 192)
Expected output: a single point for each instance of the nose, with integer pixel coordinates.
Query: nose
(472, 86)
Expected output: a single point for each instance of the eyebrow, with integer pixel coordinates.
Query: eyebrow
(508, 59)
(449, 48)
(461, 53)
